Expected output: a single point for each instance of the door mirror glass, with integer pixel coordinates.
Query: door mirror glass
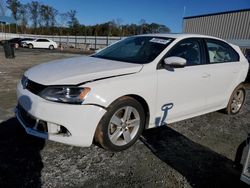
(176, 62)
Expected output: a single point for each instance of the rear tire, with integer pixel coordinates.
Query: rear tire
(51, 47)
(236, 100)
(122, 124)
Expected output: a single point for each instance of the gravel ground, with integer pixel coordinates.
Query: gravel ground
(198, 152)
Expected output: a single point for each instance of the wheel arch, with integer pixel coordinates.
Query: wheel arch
(144, 104)
(99, 138)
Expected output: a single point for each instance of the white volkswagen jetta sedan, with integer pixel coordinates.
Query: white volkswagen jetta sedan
(140, 82)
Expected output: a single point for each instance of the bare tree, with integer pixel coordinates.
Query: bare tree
(63, 19)
(73, 22)
(53, 14)
(23, 15)
(34, 8)
(14, 5)
(44, 17)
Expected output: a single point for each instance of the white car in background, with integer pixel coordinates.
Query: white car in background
(140, 82)
(40, 43)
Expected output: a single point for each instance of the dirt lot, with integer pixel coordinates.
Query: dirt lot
(194, 153)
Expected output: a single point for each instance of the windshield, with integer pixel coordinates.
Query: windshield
(139, 49)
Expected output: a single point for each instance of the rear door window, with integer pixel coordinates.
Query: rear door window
(42, 40)
(220, 52)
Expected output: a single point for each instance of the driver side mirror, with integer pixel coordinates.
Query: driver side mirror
(175, 62)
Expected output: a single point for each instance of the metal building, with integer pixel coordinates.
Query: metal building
(233, 26)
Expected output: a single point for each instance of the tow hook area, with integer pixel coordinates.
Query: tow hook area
(57, 129)
(30, 122)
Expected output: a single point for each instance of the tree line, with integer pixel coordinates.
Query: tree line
(39, 18)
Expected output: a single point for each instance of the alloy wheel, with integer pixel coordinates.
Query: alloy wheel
(124, 125)
(237, 101)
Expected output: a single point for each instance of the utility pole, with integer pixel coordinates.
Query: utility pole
(183, 16)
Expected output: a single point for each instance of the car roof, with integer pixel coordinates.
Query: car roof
(12, 39)
(27, 39)
(180, 35)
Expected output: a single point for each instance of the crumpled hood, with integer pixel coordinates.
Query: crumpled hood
(77, 70)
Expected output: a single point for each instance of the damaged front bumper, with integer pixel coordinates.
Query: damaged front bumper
(65, 123)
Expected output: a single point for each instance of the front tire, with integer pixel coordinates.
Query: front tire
(122, 124)
(236, 101)
(30, 46)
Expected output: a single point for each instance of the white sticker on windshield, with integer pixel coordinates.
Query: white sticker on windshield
(160, 41)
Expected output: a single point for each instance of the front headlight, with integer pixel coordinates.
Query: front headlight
(65, 94)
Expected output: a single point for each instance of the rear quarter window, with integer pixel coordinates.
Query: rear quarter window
(220, 52)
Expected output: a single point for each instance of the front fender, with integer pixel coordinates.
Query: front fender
(104, 92)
